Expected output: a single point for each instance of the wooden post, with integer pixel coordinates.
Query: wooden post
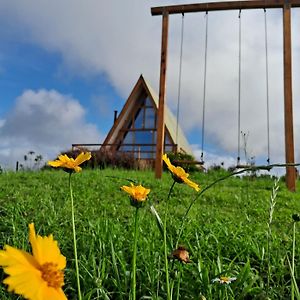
(288, 98)
(162, 95)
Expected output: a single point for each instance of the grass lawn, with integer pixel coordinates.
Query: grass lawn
(228, 232)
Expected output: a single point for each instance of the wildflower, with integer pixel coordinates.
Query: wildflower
(138, 194)
(224, 280)
(39, 276)
(179, 174)
(181, 254)
(70, 164)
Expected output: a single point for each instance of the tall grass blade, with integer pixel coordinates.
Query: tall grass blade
(160, 225)
(115, 266)
(296, 289)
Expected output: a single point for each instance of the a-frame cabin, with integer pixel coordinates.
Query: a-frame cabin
(135, 129)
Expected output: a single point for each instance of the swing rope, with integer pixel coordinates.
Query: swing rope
(204, 86)
(179, 76)
(239, 90)
(267, 86)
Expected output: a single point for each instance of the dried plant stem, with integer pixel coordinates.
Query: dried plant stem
(269, 234)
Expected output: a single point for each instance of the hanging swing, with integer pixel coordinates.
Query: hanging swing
(239, 96)
(204, 88)
(180, 162)
(241, 166)
(267, 87)
(179, 78)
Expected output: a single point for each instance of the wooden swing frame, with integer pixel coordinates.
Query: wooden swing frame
(286, 6)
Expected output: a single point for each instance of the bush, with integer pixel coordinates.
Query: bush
(106, 158)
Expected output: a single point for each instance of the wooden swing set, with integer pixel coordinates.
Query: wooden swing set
(286, 6)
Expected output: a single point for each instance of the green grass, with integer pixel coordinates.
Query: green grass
(226, 233)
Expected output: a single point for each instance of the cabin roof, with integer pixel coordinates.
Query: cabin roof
(140, 88)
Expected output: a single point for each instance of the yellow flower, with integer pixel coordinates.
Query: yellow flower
(39, 276)
(179, 174)
(137, 193)
(64, 161)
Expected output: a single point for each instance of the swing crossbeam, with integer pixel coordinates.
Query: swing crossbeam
(286, 6)
(227, 5)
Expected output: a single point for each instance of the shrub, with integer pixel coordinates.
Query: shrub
(105, 158)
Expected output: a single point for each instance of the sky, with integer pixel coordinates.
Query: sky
(66, 65)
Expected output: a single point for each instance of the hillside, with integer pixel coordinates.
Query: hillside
(228, 232)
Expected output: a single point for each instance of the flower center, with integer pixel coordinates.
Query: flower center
(53, 276)
(225, 279)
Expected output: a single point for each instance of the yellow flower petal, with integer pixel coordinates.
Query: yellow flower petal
(138, 193)
(64, 161)
(77, 169)
(64, 158)
(167, 161)
(51, 293)
(82, 157)
(26, 284)
(192, 184)
(55, 163)
(179, 174)
(45, 249)
(11, 257)
(38, 276)
(127, 189)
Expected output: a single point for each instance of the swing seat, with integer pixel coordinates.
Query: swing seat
(199, 164)
(253, 167)
(244, 166)
(188, 162)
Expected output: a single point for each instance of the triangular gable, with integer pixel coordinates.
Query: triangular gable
(171, 124)
(136, 124)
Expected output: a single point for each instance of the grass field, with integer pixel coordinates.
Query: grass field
(228, 232)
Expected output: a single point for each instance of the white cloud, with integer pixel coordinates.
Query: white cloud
(45, 122)
(93, 37)
(121, 39)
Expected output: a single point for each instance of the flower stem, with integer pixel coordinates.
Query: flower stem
(165, 244)
(74, 239)
(293, 261)
(166, 263)
(133, 282)
(179, 281)
(170, 191)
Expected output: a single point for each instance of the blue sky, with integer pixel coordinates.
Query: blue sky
(66, 66)
(29, 66)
